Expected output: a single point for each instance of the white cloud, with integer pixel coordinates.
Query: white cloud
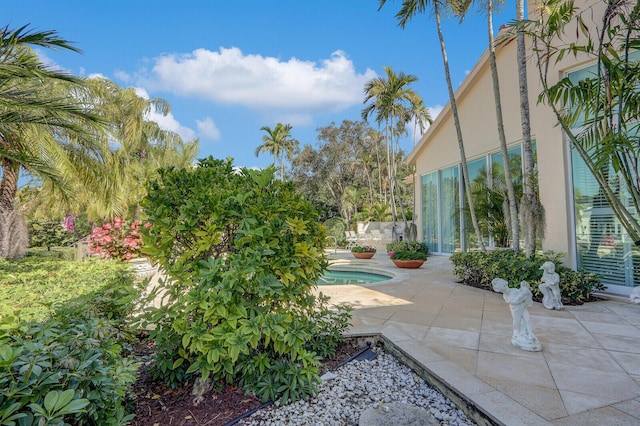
(435, 110)
(122, 76)
(167, 122)
(261, 83)
(207, 128)
(97, 76)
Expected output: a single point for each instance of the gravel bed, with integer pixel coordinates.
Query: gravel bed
(357, 386)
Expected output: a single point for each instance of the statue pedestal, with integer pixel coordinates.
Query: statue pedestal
(531, 344)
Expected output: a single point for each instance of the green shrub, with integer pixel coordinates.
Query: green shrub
(363, 249)
(407, 255)
(336, 226)
(32, 287)
(73, 368)
(51, 232)
(243, 253)
(478, 269)
(408, 246)
(63, 253)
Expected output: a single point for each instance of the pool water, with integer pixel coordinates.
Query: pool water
(350, 277)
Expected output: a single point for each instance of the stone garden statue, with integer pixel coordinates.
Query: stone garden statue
(519, 300)
(550, 286)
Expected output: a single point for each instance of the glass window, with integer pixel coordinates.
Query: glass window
(478, 177)
(602, 244)
(450, 209)
(430, 210)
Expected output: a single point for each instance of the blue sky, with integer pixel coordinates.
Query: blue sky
(227, 68)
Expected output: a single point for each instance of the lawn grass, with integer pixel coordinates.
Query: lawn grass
(31, 287)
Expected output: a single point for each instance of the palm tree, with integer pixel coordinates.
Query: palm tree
(513, 204)
(140, 146)
(351, 198)
(391, 101)
(45, 128)
(279, 143)
(408, 10)
(530, 205)
(420, 116)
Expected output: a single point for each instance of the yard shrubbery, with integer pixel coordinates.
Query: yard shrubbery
(34, 286)
(408, 246)
(478, 269)
(243, 252)
(74, 366)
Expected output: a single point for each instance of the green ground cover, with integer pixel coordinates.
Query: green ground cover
(34, 286)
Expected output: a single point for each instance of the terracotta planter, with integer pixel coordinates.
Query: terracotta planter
(408, 263)
(363, 255)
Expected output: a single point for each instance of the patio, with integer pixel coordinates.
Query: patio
(588, 372)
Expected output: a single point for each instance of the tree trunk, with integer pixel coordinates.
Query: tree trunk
(529, 199)
(456, 119)
(512, 209)
(14, 237)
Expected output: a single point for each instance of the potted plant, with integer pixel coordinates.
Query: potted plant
(408, 258)
(363, 252)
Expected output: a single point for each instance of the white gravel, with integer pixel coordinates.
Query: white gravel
(357, 386)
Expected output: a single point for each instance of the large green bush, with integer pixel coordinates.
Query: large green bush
(34, 286)
(478, 269)
(243, 253)
(73, 368)
(418, 246)
(51, 233)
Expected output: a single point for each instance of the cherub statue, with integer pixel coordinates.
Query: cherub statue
(519, 300)
(550, 286)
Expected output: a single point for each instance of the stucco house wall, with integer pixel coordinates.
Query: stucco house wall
(438, 148)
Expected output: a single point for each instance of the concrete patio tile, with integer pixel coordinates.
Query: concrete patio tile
(598, 417)
(595, 382)
(557, 353)
(507, 411)
(630, 362)
(492, 304)
(468, 294)
(399, 331)
(413, 317)
(501, 344)
(420, 352)
(601, 307)
(631, 407)
(457, 322)
(545, 402)
(618, 343)
(588, 371)
(612, 329)
(427, 306)
(384, 312)
(467, 359)
(360, 297)
(449, 337)
(459, 379)
(562, 330)
(453, 309)
(602, 317)
(538, 309)
(628, 311)
(497, 368)
(501, 328)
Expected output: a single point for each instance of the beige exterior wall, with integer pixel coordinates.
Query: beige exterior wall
(438, 148)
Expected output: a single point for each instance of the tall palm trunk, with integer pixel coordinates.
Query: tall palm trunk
(13, 230)
(456, 119)
(8, 184)
(529, 199)
(511, 193)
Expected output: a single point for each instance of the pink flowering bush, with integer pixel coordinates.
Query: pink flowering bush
(119, 239)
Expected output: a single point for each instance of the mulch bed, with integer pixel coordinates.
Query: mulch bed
(158, 405)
